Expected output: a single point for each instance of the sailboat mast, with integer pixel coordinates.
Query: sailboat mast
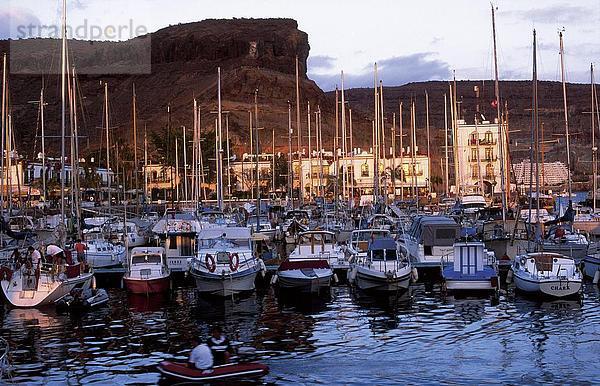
(351, 157)
(401, 154)
(594, 149)
(393, 141)
(536, 123)
(376, 138)
(256, 145)
(219, 144)
(310, 163)
(428, 137)
(298, 134)
(499, 121)
(564, 87)
(43, 145)
(290, 167)
(344, 165)
(63, 111)
(135, 148)
(107, 146)
(446, 174)
(145, 164)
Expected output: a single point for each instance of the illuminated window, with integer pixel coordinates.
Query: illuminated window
(364, 170)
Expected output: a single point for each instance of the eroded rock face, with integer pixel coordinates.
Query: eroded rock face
(266, 43)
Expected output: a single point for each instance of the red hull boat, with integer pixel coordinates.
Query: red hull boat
(147, 286)
(181, 372)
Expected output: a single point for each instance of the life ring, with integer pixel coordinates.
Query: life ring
(234, 262)
(5, 273)
(210, 263)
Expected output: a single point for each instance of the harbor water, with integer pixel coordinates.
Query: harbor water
(345, 338)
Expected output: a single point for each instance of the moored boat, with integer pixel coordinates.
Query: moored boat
(147, 271)
(34, 287)
(546, 274)
(225, 264)
(385, 267)
(473, 269)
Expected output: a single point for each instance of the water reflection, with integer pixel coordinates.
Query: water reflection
(316, 339)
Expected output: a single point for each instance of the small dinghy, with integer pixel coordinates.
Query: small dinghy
(181, 372)
(79, 300)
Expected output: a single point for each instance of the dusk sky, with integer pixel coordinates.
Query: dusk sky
(411, 41)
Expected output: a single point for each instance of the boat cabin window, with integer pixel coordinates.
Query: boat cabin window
(445, 234)
(390, 254)
(141, 259)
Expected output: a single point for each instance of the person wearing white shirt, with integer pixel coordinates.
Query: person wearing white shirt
(34, 255)
(201, 357)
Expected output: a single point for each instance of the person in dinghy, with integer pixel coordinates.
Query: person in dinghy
(219, 346)
(201, 357)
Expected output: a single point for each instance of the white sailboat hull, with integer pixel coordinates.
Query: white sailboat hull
(305, 280)
(47, 292)
(549, 287)
(591, 265)
(225, 284)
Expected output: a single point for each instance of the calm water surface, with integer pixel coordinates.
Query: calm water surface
(348, 338)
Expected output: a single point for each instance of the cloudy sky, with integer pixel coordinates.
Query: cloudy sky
(411, 41)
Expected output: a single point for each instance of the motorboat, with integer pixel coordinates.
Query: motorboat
(225, 264)
(546, 274)
(100, 254)
(563, 240)
(147, 271)
(180, 371)
(310, 267)
(385, 267)
(27, 286)
(360, 239)
(82, 299)
(210, 218)
(177, 232)
(429, 239)
(264, 226)
(473, 269)
(129, 232)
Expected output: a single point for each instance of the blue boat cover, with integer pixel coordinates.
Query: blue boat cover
(385, 243)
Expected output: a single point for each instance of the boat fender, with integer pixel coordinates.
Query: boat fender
(274, 280)
(335, 278)
(210, 263)
(352, 275)
(414, 274)
(596, 277)
(93, 282)
(234, 262)
(509, 276)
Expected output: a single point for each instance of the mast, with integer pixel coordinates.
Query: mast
(256, 145)
(185, 175)
(321, 149)
(535, 135)
(414, 154)
(63, 112)
(145, 165)
(290, 166)
(43, 147)
(201, 157)
(310, 163)
(251, 152)
(344, 165)
(228, 157)
(594, 149)
(75, 156)
(564, 87)
(446, 175)
(301, 176)
(393, 140)
(401, 155)
(177, 185)
(219, 144)
(336, 158)
(2, 165)
(351, 158)
(427, 129)
(499, 121)
(376, 138)
(107, 146)
(135, 148)
(381, 138)
(273, 155)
